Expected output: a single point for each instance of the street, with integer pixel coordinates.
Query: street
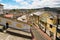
(37, 35)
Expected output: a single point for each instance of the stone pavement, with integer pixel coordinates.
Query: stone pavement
(39, 34)
(5, 36)
(19, 32)
(14, 35)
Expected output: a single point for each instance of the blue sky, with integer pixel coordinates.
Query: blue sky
(29, 4)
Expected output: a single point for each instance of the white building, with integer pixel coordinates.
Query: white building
(1, 9)
(22, 18)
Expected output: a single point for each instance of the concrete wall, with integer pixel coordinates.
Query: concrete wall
(1, 9)
(15, 24)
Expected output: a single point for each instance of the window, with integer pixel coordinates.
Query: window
(59, 21)
(51, 18)
(50, 26)
(51, 34)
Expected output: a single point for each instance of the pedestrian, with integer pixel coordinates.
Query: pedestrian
(5, 27)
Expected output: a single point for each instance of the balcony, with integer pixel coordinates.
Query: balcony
(58, 30)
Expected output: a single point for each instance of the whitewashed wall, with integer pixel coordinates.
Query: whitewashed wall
(1, 9)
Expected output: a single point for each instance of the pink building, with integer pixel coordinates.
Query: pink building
(9, 15)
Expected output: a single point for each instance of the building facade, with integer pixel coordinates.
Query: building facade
(1, 9)
(47, 22)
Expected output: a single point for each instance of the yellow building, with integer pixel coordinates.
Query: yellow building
(47, 24)
(47, 21)
(43, 20)
(51, 27)
(58, 34)
(34, 17)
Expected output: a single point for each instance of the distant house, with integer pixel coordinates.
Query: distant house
(1, 9)
(8, 15)
(22, 18)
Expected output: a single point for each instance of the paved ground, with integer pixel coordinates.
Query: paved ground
(15, 35)
(4, 36)
(39, 35)
(20, 35)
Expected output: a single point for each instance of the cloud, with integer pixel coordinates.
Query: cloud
(28, 4)
(39, 3)
(17, 0)
(51, 3)
(24, 2)
(9, 6)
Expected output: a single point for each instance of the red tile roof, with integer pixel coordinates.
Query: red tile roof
(8, 15)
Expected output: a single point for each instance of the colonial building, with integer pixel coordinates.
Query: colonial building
(34, 17)
(47, 22)
(1, 9)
